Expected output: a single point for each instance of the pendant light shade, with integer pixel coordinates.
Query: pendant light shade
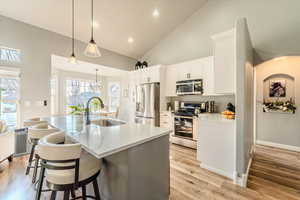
(92, 49)
(72, 58)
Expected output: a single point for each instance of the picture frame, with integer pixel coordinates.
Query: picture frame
(277, 88)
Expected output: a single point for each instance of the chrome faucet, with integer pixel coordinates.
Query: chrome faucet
(87, 110)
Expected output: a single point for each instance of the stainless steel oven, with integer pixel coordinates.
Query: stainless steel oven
(189, 87)
(185, 131)
(183, 127)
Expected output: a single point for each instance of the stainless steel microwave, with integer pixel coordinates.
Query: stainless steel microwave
(189, 87)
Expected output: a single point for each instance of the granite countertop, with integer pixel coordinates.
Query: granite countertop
(103, 141)
(214, 117)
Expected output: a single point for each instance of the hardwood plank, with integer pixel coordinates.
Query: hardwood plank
(187, 179)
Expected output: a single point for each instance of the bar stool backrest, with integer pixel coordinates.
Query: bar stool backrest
(52, 148)
(41, 130)
(55, 155)
(33, 121)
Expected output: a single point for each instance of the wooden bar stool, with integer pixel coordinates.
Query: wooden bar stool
(35, 133)
(66, 168)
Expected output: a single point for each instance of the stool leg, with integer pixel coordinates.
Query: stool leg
(40, 184)
(53, 195)
(83, 192)
(96, 190)
(73, 195)
(66, 195)
(10, 158)
(37, 159)
(30, 159)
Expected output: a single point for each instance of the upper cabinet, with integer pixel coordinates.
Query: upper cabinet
(189, 70)
(170, 80)
(208, 76)
(147, 75)
(195, 69)
(224, 62)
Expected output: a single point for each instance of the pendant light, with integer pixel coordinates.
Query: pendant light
(72, 58)
(92, 48)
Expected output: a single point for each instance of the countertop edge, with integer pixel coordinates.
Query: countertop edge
(128, 146)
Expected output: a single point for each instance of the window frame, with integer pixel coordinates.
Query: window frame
(13, 73)
(65, 108)
(109, 96)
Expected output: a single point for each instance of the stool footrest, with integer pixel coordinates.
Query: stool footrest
(86, 196)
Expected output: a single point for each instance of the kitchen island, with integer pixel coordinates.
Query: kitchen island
(135, 156)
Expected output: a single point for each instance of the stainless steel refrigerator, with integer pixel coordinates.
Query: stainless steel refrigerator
(147, 104)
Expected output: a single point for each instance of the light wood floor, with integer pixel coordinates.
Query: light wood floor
(274, 168)
(188, 182)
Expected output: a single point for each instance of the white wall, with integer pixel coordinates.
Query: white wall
(278, 128)
(272, 26)
(244, 95)
(37, 45)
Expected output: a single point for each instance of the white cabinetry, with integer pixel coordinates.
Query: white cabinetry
(170, 80)
(150, 74)
(166, 120)
(216, 144)
(202, 68)
(147, 75)
(190, 70)
(224, 65)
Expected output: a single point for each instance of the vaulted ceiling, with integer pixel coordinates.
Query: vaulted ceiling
(117, 20)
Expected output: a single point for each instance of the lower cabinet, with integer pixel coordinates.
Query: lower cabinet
(216, 146)
(166, 120)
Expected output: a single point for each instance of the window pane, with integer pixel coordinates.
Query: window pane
(9, 89)
(79, 92)
(9, 113)
(114, 93)
(9, 96)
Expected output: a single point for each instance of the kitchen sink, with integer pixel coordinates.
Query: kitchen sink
(107, 122)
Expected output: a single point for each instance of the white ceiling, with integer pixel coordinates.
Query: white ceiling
(62, 63)
(118, 20)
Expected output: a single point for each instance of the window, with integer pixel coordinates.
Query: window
(79, 92)
(9, 96)
(9, 54)
(114, 95)
(53, 93)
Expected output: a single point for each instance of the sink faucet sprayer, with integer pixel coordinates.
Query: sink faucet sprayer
(87, 110)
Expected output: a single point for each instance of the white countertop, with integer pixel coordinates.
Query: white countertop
(214, 117)
(104, 141)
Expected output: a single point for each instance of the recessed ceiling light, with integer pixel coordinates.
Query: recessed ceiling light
(95, 24)
(130, 40)
(155, 13)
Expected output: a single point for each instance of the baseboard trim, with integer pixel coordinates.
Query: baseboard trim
(277, 145)
(217, 171)
(242, 179)
(21, 154)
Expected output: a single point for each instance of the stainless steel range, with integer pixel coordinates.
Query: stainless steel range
(186, 124)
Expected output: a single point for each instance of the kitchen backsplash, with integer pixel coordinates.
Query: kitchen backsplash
(220, 101)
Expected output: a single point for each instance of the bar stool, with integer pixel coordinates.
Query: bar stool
(33, 121)
(35, 133)
(66, 168)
